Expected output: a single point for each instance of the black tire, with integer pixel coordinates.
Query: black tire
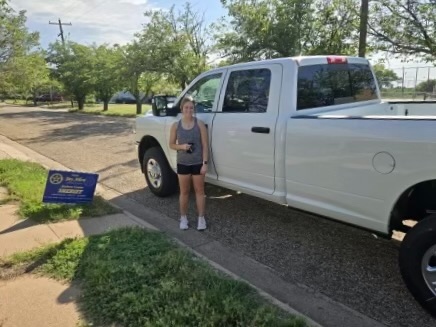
(169, 182)
(416, 243)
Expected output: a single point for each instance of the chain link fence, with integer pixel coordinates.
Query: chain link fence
(410, 83)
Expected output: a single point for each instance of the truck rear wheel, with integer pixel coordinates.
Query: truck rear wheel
(418, 263)
(160, 178)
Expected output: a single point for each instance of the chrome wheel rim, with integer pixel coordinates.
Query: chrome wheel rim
(429, 268)
(154, 173)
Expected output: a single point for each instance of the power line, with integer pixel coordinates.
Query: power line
(88, 11)
(61, 34)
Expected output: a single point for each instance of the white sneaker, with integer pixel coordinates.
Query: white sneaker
(183, 222)
(201, 223)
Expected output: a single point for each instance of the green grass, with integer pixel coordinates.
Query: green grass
(120, 110)
(21, 103)
(26, 182)
(133, 277)
(406, 94)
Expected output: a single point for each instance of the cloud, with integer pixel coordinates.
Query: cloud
(135, 2)
(111, 21)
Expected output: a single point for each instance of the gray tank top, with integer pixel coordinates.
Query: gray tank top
(193, 137)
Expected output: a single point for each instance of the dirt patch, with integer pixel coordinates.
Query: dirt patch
(3, 194)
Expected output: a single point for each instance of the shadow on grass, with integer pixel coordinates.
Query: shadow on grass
(39, 213)
(50, 213)
(102, 113)
(135, 277)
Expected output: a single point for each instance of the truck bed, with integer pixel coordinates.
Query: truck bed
(383, 110)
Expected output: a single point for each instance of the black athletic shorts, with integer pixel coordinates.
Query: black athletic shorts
(189, 170)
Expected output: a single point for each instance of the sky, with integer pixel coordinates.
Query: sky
(99, 21)
(116, 21)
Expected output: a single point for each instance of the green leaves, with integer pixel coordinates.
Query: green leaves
(404, 27)
(175, 43)
(27, 74)
(262, 29)
(18, 65)
(385, 76)
(75, 68)
(15, 39)
(107, 72)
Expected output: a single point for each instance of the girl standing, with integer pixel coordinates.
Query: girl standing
(188, 137)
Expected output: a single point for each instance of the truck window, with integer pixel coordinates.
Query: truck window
(203, 92)
(333, 84)
(247, 91)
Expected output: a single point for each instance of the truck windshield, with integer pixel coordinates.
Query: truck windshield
(332, 84)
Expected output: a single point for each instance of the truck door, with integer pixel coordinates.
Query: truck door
(243, 134)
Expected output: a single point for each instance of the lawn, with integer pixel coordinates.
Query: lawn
(26, 182)
(122, 110)
(134, 277)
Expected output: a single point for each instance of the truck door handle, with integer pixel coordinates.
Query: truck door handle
(263, 130)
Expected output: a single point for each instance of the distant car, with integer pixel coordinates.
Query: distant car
(125, 99)
(48, 98)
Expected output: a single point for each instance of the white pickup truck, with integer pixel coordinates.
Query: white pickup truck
(313, 133)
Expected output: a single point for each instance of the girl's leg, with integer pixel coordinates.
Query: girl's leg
(200, 199)
(185, 186)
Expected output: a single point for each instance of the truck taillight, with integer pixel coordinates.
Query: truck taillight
(336, 60)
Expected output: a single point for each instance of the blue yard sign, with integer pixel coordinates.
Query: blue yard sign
(69, 187)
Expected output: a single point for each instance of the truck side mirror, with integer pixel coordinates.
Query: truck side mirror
(159, 106)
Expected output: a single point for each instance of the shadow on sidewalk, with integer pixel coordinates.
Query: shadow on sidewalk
(23, 224)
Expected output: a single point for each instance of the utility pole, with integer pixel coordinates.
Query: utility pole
(61, 34)
(363, 27)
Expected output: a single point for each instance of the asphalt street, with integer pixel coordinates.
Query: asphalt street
(348, 265)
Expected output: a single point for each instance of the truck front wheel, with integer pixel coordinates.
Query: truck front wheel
(160, 178)
(418, 262)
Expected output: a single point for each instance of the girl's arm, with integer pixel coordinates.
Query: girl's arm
(204, 144)
(173, 138)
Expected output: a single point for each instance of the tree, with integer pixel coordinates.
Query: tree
(334, 28)
(75, 69)
(28, 74)
(15, 42)
(363, 29)
(428, 86)
(165, 85)
(15, 39)
(262, 29)
(176, 43)
(134, 65)
(385, 76)
(107, 72)
(148, 81)
(404, 27)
